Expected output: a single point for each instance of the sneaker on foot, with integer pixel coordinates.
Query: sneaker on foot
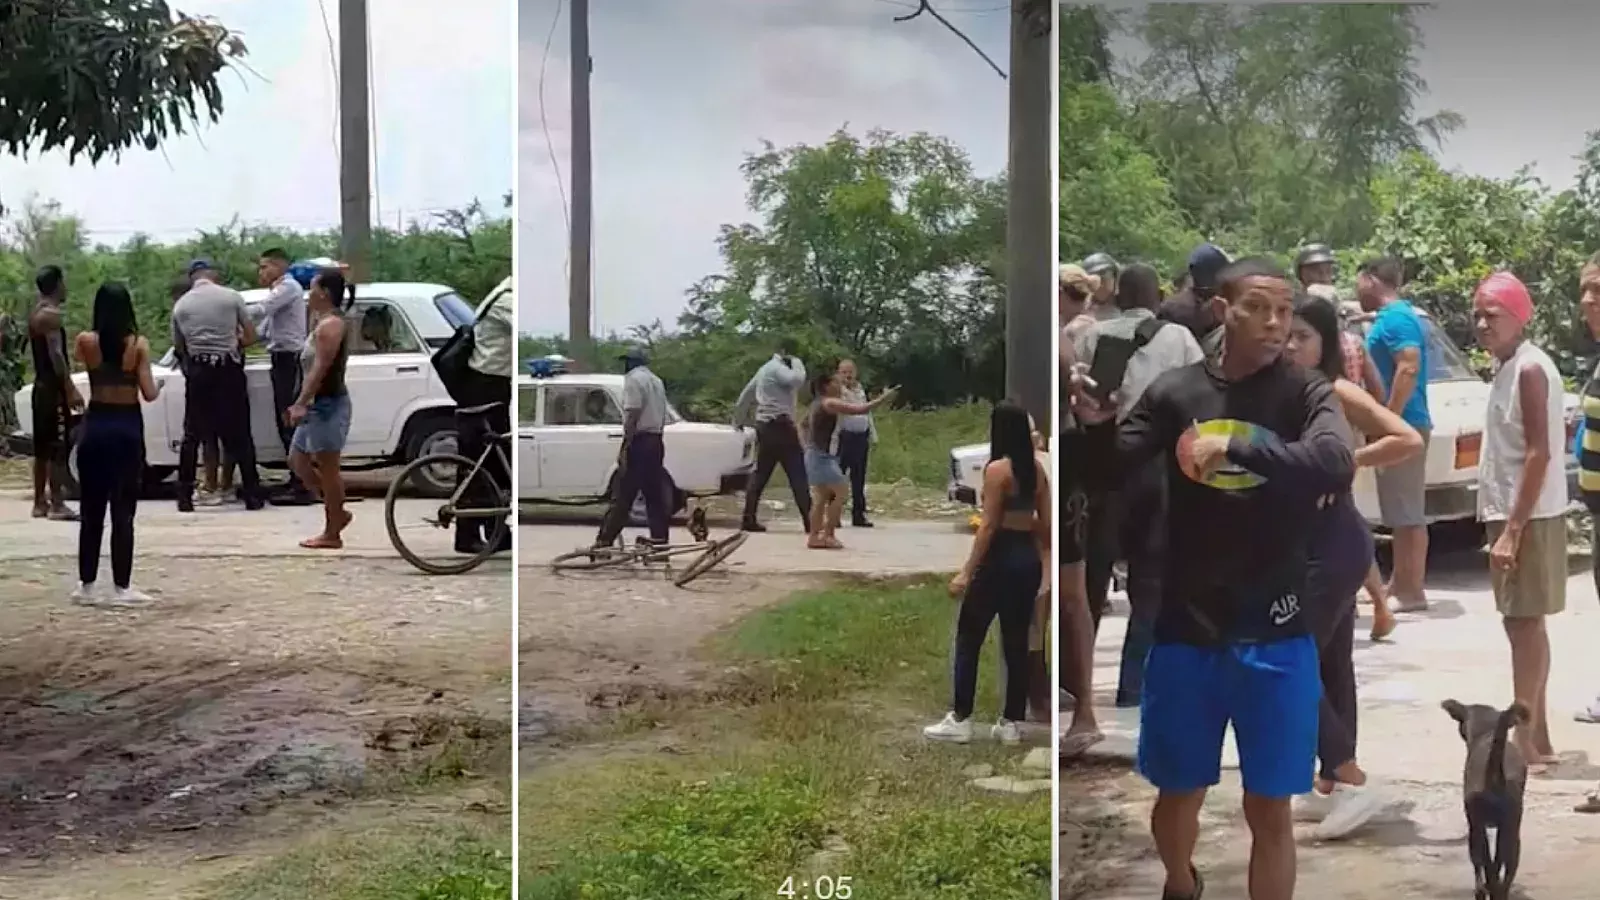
(752, 526)
(1006, 732)
(1351, 808)
(83, 593)
(1589, 714)
(129, 596)
(1312, 807)
(956, 731)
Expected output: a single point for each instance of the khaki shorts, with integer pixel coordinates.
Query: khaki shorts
(1538, 585)
(1403, 490)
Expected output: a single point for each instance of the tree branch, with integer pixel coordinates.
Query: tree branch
(924, 7)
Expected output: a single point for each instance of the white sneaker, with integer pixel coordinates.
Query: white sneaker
(1006, 732)
(129, 596)
(1352, 807)
(1312, 807)
(1589, 714)
(951, 729)
(84, 593)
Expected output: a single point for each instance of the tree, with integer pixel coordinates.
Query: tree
(96, 77)
(886, 248)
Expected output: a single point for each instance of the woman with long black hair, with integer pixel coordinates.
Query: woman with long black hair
(1002, 576)
(321, 414)
(111, 450)
(1341, 552)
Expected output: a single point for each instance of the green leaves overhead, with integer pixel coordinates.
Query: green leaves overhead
(96, 77)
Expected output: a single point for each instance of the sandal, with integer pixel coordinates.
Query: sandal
(1199, 888)
(1076, 743)
(1382, 628)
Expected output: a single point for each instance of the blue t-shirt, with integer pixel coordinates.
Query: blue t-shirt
(1395, 328)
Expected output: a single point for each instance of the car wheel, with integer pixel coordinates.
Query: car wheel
(434, 434)
(69, 481)
(153, 477)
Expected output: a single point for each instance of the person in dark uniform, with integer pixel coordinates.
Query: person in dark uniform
(643, 457)
(55, 398)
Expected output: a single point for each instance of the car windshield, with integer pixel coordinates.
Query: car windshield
(455, 310)
(1446, 361)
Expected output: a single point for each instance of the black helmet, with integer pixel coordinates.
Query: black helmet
(1100, 264)
(1313, 254)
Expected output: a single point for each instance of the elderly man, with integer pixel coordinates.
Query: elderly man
(210, 329)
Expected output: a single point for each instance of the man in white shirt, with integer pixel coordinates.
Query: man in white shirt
(857, 434)
(768, 402)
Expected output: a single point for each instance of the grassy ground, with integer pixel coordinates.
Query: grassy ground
(915, 446)
(805, 762)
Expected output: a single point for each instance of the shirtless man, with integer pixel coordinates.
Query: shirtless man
(55, 397)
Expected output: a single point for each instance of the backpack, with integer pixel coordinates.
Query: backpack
(1142, 335)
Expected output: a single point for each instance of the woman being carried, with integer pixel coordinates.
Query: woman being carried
(321, 415)
(828, 484)
(1341, 553)
(1003, 576)
(111, 451)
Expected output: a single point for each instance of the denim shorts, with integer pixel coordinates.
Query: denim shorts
(325, 427)
(822, 469)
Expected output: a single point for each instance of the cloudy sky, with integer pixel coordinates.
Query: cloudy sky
(682, 90)
(443, 116)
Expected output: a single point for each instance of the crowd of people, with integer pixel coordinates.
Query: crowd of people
(1210, 440)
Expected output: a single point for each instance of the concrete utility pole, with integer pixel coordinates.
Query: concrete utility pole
(580, 288)
(1030, 250)
(355, 175)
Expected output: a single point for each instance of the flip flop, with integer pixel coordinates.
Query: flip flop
(1590, 804)
(322, 543)
(1382, 628)
(1076, 743)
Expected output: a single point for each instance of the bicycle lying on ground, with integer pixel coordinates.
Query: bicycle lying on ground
(644, 554)
(478, 495)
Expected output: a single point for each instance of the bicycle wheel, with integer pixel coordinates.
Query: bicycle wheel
(589, 559)
(429, 544)
(719, 551)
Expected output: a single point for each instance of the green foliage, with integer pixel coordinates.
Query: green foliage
(96, 78)
(885, 248)
(464, 249)
(928, 853)
(1266, 127)
(402, 863)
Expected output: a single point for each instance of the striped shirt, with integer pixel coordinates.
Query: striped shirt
(1589, 458)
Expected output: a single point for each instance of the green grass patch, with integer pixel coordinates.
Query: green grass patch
(914, 445)
(806, 764)
(445, 863)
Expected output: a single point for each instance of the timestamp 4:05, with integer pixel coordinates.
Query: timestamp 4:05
(823, 887)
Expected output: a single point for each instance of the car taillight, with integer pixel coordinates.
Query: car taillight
(1468, 447)
(955, 469)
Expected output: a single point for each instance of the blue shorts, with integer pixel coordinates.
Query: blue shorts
(822, 469)
(1270, 692)
(325, 427)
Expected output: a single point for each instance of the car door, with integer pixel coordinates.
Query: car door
(263, 412)
(579, 441)
(528, 484)
(388, 371)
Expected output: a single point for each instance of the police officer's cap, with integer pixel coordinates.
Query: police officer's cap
(1313, 254)
(1100, 264)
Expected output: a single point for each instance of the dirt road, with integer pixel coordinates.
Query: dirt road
(260, 676)
(596, 642)
(1411, 747)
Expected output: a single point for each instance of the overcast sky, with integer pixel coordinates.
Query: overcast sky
(443, 116)
(684, 89)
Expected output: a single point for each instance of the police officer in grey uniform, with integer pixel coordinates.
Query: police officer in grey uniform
(643, 458)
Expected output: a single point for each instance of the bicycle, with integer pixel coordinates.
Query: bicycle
(644, 553)
(463, 503)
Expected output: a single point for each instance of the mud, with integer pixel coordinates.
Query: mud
(248, 682)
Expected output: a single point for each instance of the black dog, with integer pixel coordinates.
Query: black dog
(1492, 786)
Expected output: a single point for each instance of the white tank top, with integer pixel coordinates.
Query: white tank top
(1504, 447)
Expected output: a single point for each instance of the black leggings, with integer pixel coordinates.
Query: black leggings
(1005, 585)
(110, 468)
(1336, 718)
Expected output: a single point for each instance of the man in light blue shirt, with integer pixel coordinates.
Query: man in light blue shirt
(1397, 344)
(283, 331)
(768, 403)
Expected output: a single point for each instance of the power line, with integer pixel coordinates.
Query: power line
(333, 66)
(544, 125)
(924, 7)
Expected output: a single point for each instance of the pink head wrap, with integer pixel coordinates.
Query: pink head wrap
(1510, 293)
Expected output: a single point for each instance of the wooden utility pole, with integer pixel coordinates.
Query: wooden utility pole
(1030, 248)
(580, 288)
(355, 175)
